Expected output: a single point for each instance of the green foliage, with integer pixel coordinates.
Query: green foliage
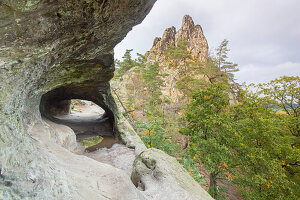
(127, 63)
(250, 144)
(284, 94)
(154, 135)
(91, 142)
(223, 64)
(180, 59)
(152, 83)
(218, 68)
(178, 56)
(247, 143)
(193, 169)
(262, 145)
(190, 70)
(209, 131)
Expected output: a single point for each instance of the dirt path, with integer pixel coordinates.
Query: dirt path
(87, 121)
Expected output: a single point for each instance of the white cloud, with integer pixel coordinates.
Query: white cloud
(262, 74)
(261, 33)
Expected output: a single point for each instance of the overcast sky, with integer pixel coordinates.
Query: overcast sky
(264, 35)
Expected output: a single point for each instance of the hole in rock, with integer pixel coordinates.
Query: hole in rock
(84, 111)
(92, 124)
(88, 120)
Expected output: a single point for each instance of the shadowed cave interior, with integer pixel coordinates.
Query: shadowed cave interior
(95, 119)
(86, 118)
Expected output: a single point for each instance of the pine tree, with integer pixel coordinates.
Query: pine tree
(218, 68)
(223, 64)
(123, 66)
(153, 82)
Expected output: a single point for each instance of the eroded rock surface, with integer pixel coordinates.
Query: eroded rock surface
(53, 51)
(64, 50)
(160, 176)
(196, 44)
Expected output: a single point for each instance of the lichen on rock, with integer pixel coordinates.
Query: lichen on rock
(56, 46)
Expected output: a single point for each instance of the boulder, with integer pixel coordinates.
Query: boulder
(160, 176)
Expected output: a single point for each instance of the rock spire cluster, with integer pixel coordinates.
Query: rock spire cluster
(196, 44)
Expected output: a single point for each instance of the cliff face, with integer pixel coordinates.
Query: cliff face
(54, 51)
(196, 45)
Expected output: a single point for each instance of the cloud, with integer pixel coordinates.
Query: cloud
(261, 33)
(264, 73)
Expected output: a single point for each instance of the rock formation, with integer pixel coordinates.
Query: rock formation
(152, 170)
(196, 45)
(53, 51)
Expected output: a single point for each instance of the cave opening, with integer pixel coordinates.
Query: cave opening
(85, 110)
(85, 113)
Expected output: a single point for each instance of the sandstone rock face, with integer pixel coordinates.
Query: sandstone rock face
(196, 44)
(157, 179)
(54, 51)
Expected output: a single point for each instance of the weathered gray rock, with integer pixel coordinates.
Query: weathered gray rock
(160, 176)
(60, 134)
(52, 51)
(87, 178)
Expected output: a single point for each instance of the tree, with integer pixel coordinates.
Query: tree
(218, 68)
(224, 65)
(248, 143)
(284, 93)
(208, 128)
(262, 148)
(153, 82)
(154, 135)
(283, 98)
(127, 63)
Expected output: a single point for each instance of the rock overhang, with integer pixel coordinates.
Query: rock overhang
(47, 47)
(53, 51)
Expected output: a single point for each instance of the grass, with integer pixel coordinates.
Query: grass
(91, 142)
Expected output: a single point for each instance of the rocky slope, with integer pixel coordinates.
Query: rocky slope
(51, 51)
(196, 44)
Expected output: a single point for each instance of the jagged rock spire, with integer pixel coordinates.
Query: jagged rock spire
(196, 44)
(193, 34)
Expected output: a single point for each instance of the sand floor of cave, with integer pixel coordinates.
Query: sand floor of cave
(86, 121)
(113, 153)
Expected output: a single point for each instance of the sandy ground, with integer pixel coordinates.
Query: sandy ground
(83, 113)
(87, 121)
